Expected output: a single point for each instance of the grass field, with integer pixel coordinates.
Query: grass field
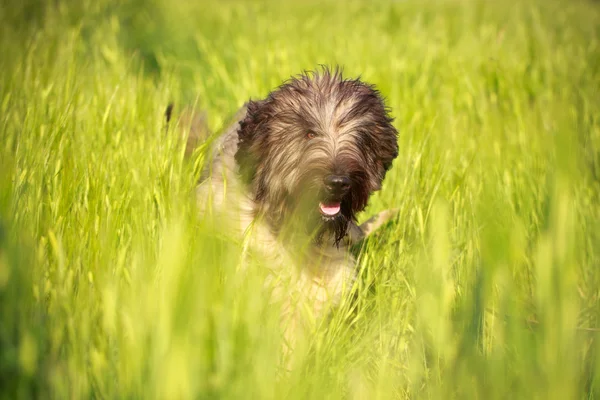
(486, 286)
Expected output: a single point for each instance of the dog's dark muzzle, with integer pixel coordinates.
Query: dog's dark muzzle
(337, 185)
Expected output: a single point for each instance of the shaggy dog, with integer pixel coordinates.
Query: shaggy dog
(292, 172)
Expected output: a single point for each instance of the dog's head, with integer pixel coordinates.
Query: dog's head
(316, 148)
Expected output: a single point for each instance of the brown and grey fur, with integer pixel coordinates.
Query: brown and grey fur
(266, 174)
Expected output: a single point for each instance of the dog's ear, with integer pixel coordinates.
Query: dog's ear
(387, 149)
(389, 154)
(252, 133)
(192, 126)
(169, 112)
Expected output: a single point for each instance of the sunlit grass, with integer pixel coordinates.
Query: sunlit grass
(487, 284)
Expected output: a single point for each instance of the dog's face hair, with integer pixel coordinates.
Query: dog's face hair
(316, 148)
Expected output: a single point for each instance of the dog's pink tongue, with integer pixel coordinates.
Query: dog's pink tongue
(330, 209)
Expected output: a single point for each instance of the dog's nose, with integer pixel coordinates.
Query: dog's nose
(337, 184)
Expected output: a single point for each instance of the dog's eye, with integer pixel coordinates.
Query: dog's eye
(310, 135)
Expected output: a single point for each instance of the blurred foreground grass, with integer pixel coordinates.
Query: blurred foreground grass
(487, 285)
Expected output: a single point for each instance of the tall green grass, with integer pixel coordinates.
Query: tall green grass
(487, 285)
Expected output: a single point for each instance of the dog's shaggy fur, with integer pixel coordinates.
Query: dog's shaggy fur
(293, 172)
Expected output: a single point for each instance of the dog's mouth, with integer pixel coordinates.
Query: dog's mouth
(330, 209)
(333, 220)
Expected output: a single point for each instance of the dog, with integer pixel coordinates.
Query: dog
(292, 172)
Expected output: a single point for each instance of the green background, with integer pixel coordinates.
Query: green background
(487, 285)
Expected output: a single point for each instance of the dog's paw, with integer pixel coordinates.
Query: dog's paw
(377, 221)
(357, 233)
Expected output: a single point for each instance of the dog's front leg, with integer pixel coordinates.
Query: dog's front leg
(357, 233)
